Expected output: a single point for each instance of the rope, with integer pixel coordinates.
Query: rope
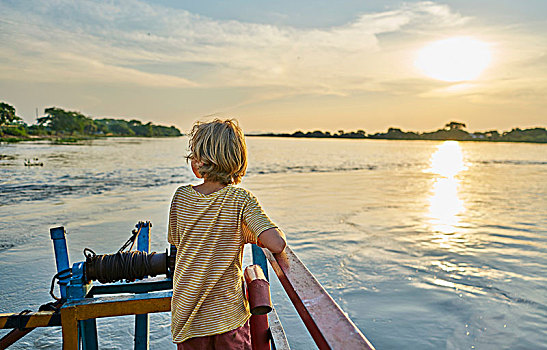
(127, 266)
(88, 253)
(20, 324)
(132, 238)
(51, 306)
(53, 282)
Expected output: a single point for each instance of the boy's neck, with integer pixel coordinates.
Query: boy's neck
(208, 187)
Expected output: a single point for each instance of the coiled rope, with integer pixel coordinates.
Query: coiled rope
(127, 266)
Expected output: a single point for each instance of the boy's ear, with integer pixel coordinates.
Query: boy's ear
(195, 168)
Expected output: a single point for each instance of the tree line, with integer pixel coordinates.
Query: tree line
(61, 123)
(451, 131)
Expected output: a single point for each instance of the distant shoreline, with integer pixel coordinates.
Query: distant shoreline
(60, 127)
(383, 138)
(68, 139)
(453, 131)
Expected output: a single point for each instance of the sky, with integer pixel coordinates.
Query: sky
(282, 65)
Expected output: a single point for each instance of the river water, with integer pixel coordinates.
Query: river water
(425, 245)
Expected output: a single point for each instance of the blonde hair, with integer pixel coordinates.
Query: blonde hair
(220, 146)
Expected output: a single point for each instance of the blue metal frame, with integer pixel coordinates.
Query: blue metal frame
(260, 259)
(75, 288)
(137, 287)
(142, 324)
(61, 258)
(87, 330)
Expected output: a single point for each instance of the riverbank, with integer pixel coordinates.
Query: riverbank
(393, 139)
(71, 126)
(453, 131)
(52, 138)
(64, 139)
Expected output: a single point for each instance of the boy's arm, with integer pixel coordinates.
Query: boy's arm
(273, 239)
(172, 225)
(254, 218)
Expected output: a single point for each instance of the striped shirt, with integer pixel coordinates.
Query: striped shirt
(209, 232)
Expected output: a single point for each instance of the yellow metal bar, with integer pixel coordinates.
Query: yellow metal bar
(4, 319)
(73, 312)
(69, 322)
(30, 320)
(90, 308)
(121, 305)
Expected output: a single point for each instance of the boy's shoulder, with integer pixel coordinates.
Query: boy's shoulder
(238, 189)
(241, 190)
(244, 195)
(188, 189)
(183, 189)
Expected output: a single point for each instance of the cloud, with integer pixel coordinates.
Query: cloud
(129, 41)
(135, 43)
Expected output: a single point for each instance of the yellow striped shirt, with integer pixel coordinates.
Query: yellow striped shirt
(209, 232)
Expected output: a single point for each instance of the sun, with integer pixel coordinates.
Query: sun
(454, 59)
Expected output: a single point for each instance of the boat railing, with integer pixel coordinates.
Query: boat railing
(327, 323)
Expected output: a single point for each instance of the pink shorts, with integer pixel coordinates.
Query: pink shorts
(236, 339)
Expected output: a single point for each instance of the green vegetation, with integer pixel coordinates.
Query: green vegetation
(135, 128)
(451, 131)
(69, 126)
(7, 114)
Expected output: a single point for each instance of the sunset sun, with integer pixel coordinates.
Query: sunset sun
(454, 59)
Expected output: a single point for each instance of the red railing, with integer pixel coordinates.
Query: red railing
(328, 325)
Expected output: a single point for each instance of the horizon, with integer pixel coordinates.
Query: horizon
(413, 65)
(332, 131)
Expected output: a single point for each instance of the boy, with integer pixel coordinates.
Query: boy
(209, 224)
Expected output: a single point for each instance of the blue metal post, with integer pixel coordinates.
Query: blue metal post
(260, 259)
(61, 258)
(259, 323)
(143, 240)
(142, 329)
(87, 330)
(77, 290)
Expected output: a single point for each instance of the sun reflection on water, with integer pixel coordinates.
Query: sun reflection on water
(445, 205)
